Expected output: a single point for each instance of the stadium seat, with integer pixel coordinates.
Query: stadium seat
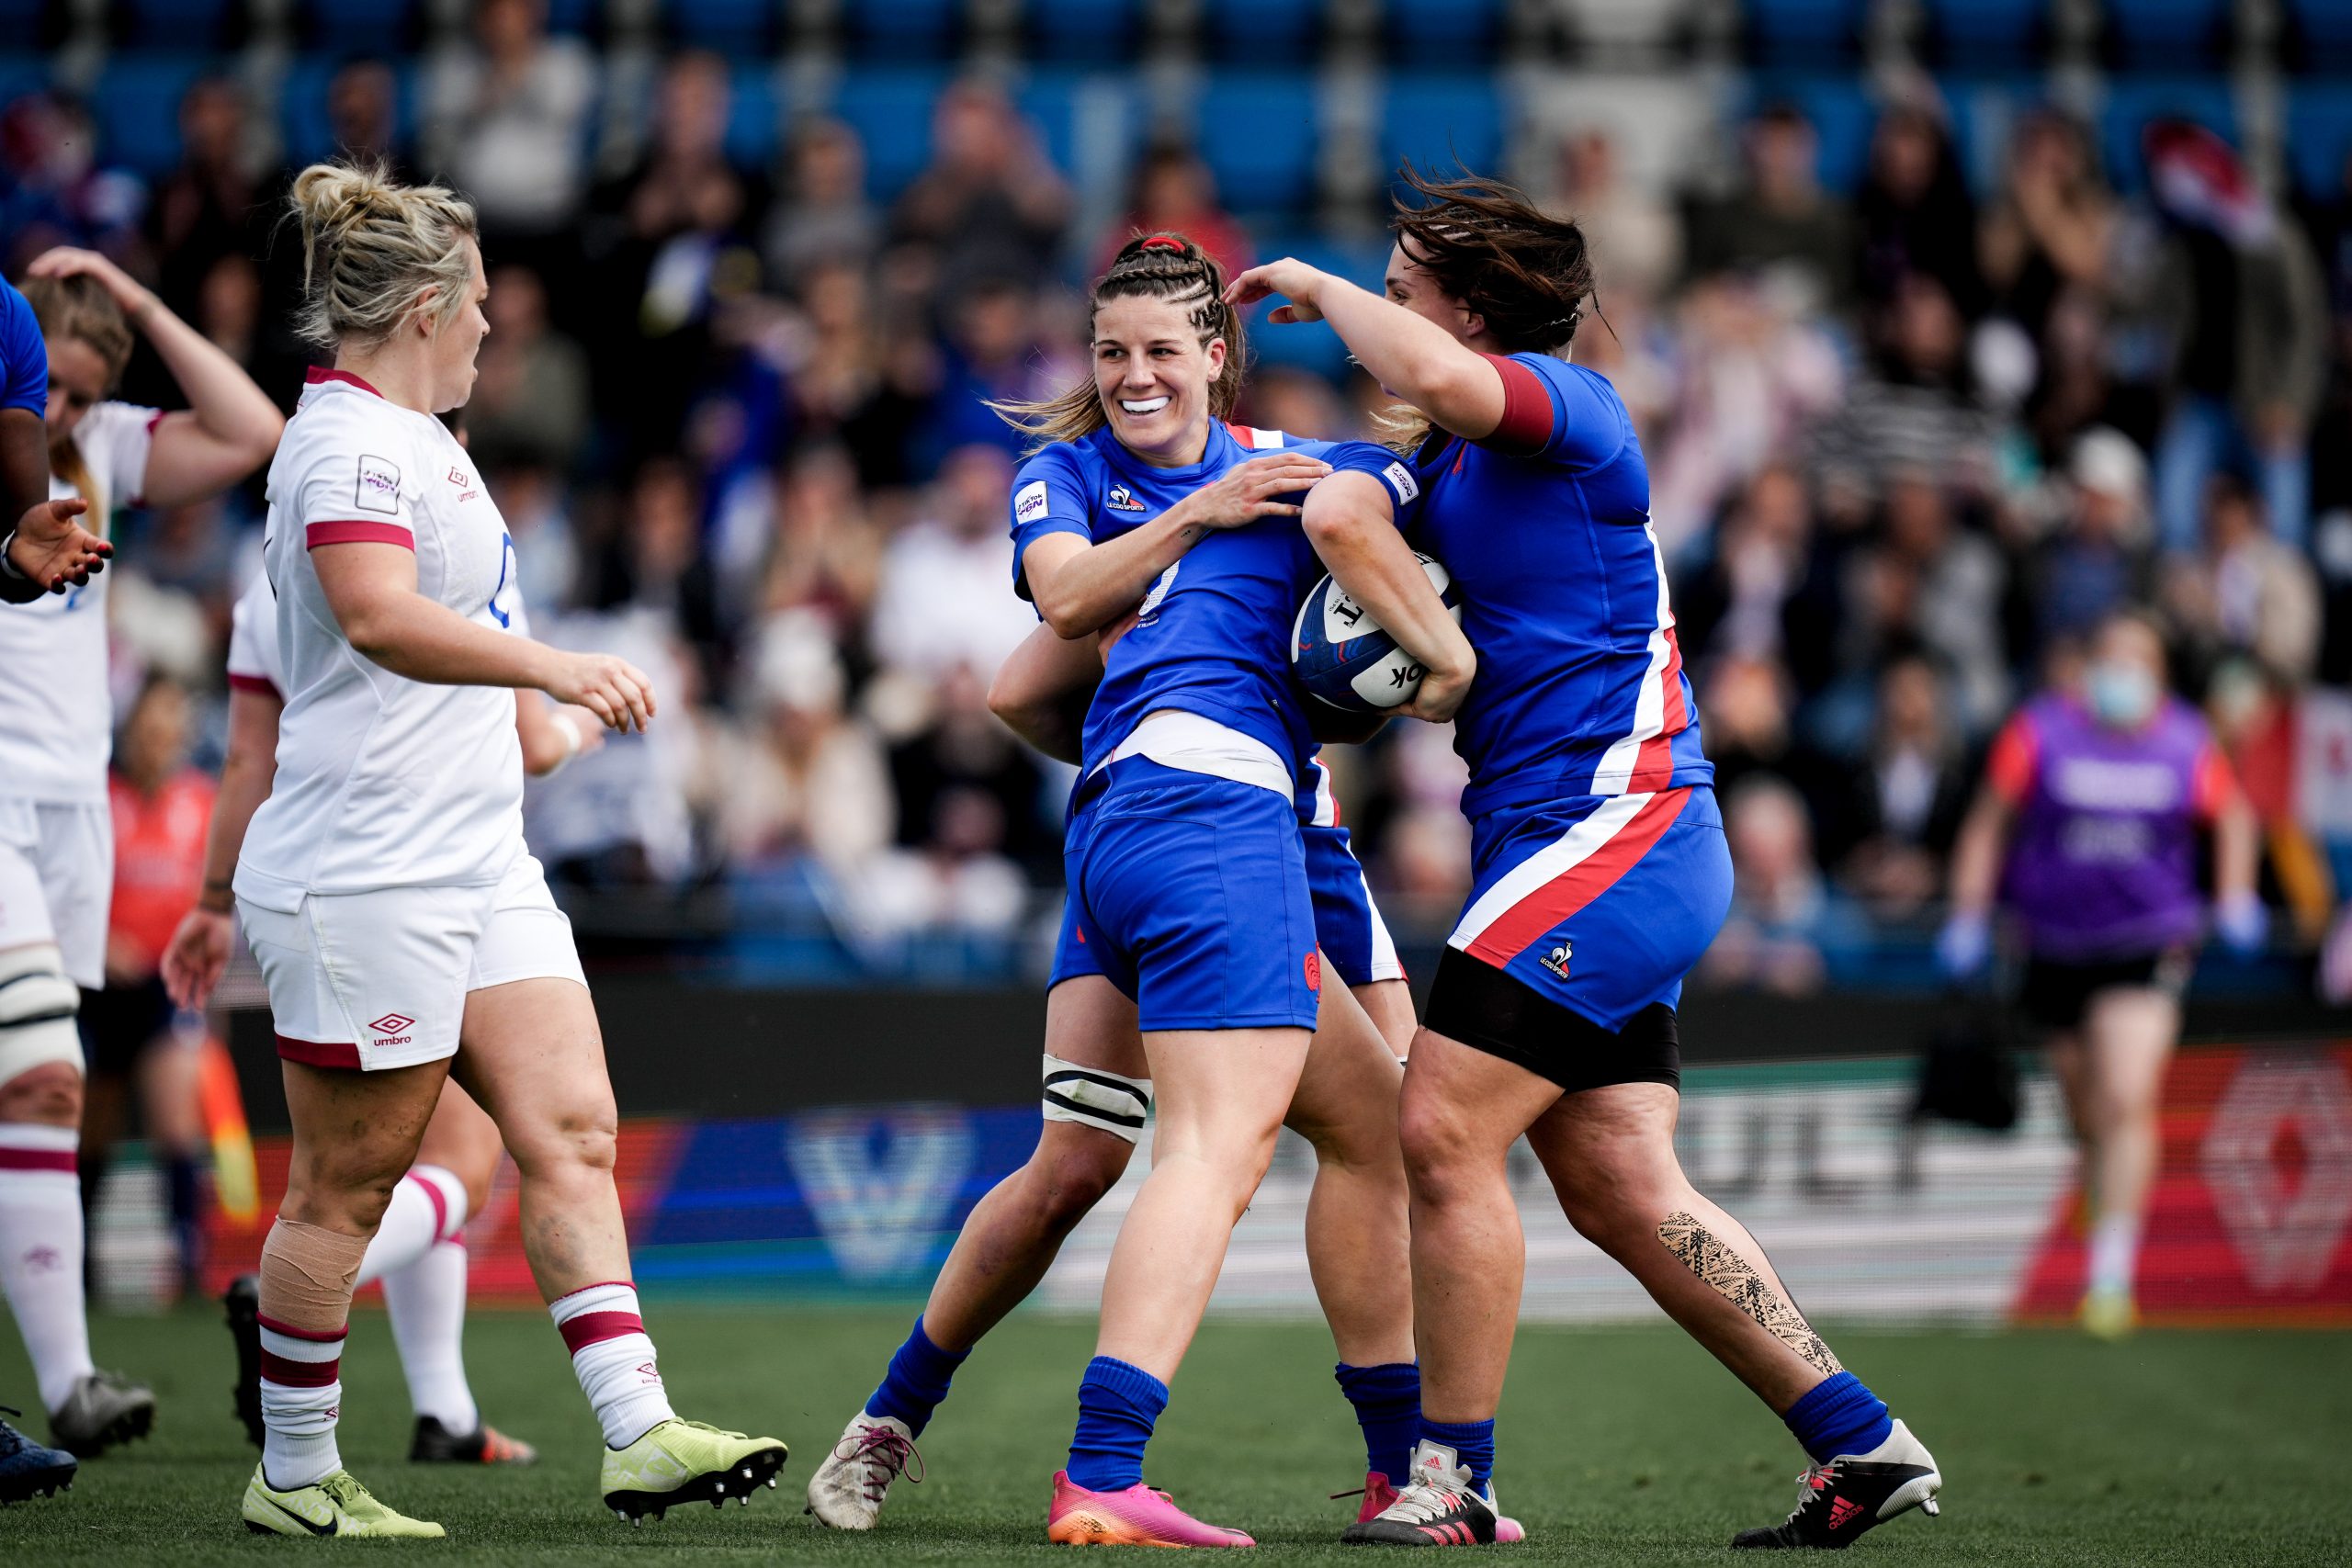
(1261, 32)
(1813, 34)
(24, 23)
(901, 30)
(2169, 35)
(890, 110)
(1441, 122)
(1082, 32)
(1984, 111)
(1842, 115)
(2134, 102)
(1425, 33)
(1979, 35)
(173, 24)
(1258, 133)
(2322, 33)
(1088, 121)
(1314, 346)
(577, 18)
(754, 116)
(303, 107)
(360, 27)
(137, 105)
(740, 27)
(2319, 136)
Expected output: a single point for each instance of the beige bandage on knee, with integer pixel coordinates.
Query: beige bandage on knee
(307, 1274)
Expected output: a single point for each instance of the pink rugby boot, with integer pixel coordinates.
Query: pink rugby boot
(1138, 1516)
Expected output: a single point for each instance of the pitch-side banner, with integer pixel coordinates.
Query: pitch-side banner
(1870, 1215)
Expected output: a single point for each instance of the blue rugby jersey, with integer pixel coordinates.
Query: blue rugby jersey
(1545, 528)
(24, 360)
(1213, 637)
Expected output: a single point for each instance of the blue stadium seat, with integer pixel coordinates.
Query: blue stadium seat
(2324, 30)
(1314, 346)
(1984, 111)
(173, 24)
(360, 27)
(1084, 118)
(1259, 132)
(303, 106)
(731, 26)
(1812, 34)
(1261, 32)
(1441, 122)
(21, 22)
(1842, 115)
(890, 111)
(579, 18)
(902, 29)
(754, 116)
(1980, 35)
(1425, 33)
(21, 76)
(2134, 101)
(2319, 136)
(2169, 35)
(1088, 32)
(137, 105)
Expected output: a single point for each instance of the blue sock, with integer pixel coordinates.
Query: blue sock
(1116, 1406)
(1472, 1443)
(1838, 1417)
(916, 1382)
(1387, 1399)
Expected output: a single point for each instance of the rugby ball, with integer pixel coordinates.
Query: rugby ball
(1342, 657)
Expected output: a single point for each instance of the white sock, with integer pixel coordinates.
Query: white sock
(428, 1303)
(2115, 1253)
(613, 1360)
(40, 1253)
(428, 1206)
(301, 1394)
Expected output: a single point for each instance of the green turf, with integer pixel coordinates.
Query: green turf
(1619, 1447)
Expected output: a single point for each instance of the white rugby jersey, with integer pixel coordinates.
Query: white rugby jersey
(56, 713)
(382, 782)
(253, 660)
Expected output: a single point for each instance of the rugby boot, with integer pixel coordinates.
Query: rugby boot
(1438, 1507)
(2109, 1315)
(1838, 1502)
(686, 1461)
(848, 1488)
(27, 1470)
(1138, 1516)
(104, 1409)
(1378, 1495)
(436, 1444)
(335, 1506)
(243, 1304)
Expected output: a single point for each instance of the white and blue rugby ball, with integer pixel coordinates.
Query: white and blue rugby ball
(1341, 656)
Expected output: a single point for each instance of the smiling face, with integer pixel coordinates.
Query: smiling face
(456, 343)
(1153, 375)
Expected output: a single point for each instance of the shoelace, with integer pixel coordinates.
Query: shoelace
(1816, 1479)
(12, 1442)
(883, 1456)
(1424, 1501)
(346, 1490)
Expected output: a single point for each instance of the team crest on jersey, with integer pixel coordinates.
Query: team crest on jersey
(1556, 960)
(1123, 500)
(377, 488)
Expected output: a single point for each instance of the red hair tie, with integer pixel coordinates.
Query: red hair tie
(1163, 243)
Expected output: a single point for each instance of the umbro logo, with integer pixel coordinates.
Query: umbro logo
(1122, 499)
(1556, 961)
(460, 480)
(391, 1023)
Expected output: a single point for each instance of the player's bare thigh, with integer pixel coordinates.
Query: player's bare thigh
(1089, 1024)
(532, 1054)
(1389, 1005)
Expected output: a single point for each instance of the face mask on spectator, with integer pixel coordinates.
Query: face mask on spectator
(2122, 695)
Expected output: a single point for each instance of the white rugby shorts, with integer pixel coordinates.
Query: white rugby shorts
(57, 881)
(378, 980)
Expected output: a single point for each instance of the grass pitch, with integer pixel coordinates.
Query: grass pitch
(1619, 1447)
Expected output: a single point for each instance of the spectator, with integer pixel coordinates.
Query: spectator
(1939, 586)
(363, 116)
(2239, 289)
(944, 600)
(547, 555)
(1892, 833)
(1176, 193)
(970, 795)
(2050, 228)
(1637, 240)
(827, 219)
(1916, 409)
(1916, 218)
(1298, 402)
(1737, 604)
(988, 198)
(1780, 219)
(203, 211)
(826, 558)
(2246, 591)
(52, 190)
(805, 782)
(2098, 561)
(529, 405)
(992, 355)
(506, 118)
(1783, 916)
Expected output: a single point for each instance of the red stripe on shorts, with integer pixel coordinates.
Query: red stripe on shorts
(1518, 926)
(596, 1327)
(299, 1374)
(37, 1159)
(318, 1052)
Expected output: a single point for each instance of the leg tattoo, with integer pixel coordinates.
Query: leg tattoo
(1738, 1282)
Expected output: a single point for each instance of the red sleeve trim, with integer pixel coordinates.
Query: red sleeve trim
(252, 684)
(2017, 756)
(2215, 785)
(1528, 413)
(349, 531)
(153, 419)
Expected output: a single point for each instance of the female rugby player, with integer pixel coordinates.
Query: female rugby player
(1097, 1083)
(56, 836)
(384, 886)
(1600, 872)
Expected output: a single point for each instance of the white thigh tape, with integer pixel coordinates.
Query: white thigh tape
(37, 1008)
(1114, 1104)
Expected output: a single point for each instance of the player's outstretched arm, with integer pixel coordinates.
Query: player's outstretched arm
(371, 588)
(48, 550)
(1412, 356)
(1353, 526)
(198, 953)
(1042, 691)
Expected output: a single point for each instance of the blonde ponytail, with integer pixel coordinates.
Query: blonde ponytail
(372, 249)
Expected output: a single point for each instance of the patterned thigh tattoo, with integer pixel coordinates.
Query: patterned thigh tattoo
(1738, 1282)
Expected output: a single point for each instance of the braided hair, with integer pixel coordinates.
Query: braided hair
(1149, 267)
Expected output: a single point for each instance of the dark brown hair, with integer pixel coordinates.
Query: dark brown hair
(1149, 267)
(1486, 244)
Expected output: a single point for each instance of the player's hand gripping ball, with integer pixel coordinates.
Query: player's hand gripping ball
(1343, 657)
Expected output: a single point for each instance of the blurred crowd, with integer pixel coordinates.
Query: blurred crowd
(1906, 448)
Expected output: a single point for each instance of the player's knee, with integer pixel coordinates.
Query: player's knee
(1073, 1179)
(1439, 1142)
(575, 1139)
(342, 1190)
(49, 1095)
(40, 1050)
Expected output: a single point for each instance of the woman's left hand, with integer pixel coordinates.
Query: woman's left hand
(69, 260)
(1290, 278)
